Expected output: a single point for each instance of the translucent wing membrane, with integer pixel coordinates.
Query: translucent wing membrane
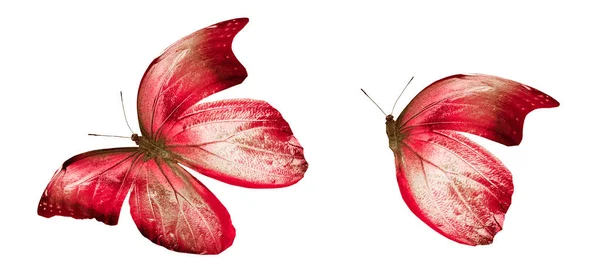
(173, 209)
(452, 184)
(191, 69)
(91, 185)
(243, 142)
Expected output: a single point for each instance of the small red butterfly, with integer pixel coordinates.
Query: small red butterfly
(243, 142)
(448, 181)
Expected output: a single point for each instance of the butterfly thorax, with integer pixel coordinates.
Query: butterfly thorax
(150, 148)
(392, 132)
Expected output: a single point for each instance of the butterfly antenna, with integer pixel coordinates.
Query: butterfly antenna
(401, 94)
(124, 114)
(118, 136)
(373, 102)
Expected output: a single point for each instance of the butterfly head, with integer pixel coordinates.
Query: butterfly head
(136, 138)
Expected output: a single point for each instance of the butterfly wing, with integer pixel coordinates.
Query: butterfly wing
(241, 141)
(189, 70)
(484, 105)
(90, 185)
(452, 184)
(173, 209)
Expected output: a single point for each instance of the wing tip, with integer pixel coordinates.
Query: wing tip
(236, 21)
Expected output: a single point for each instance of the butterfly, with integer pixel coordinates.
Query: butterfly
(448, 181)
(242, 142)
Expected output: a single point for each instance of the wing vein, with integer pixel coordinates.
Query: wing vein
(437, 207)
(101, 173)
(454, 188)
(211, 109)
(429, 106)
(220, 140)
(150, 203)
(231, 161)
(210, 230)
(220, 121)
(219, 82)
(468, 163)
(125, 177)
(458, 174)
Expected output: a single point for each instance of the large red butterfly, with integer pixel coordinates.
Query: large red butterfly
(243, 142)
(448, 181)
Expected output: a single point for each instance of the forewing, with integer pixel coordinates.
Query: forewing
(189, 70)
(91, 185)
(173, 209)
(484, 105)
(454, 186)
(241, 141)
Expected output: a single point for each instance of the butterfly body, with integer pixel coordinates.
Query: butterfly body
(151, 149)
(392, 132)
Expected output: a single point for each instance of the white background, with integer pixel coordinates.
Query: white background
(63, 64)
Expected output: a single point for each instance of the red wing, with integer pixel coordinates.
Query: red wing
(189, 70)
(173, 209)
(488, 106)
(454, 186)
(242, 142)
(90, 185)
